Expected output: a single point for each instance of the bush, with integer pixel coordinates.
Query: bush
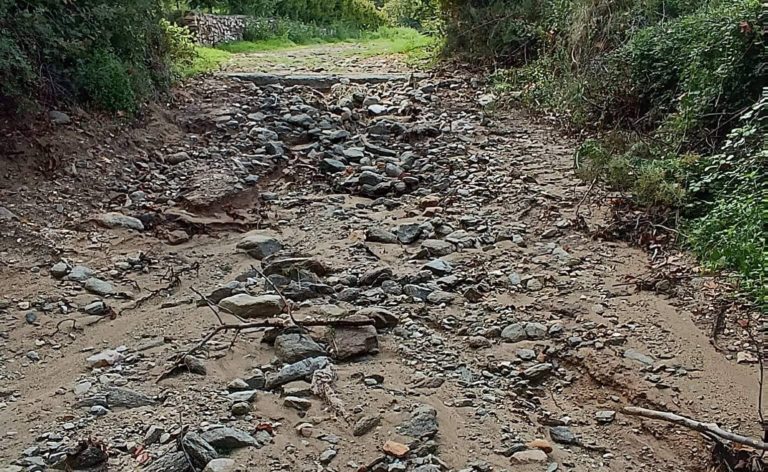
(53, 51)
(422, 15)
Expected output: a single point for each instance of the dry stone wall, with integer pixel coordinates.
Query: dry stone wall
(214, 29)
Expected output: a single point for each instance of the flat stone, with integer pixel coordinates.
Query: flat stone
(260, 244)
(408, 233)
(439, 297)
(349, 342)
(395, 449)
(99, 287)
(437, 247)
(439, 267)
(531, 456)
(242, 396)
(418, 292)
(248, 306)
(293, 347)
(327, 456)
(301, 370)
(638, 356)
(297, 403)
(226, 439)
(365, 425)
(104, 358)
(379, 235)
(118, 220)
(605, 416)
(221, 465)
(79, 274)
(423, 422)
(121, 397)
(562, 435)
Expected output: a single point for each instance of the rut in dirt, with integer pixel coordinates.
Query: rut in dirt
(411, 289)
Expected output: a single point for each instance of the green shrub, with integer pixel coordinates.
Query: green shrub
(106, 83)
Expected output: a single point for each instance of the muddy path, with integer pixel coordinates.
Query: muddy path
(508, 337)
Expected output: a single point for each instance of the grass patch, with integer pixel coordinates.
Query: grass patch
(273, 44)
(206, 60)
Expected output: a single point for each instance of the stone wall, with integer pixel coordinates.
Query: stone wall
(214, 29)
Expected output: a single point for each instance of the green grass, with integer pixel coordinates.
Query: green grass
(385, 40)
(207, 60)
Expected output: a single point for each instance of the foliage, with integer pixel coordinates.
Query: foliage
(422, 15)
(205, 60)
(358, 14)
(112, 54)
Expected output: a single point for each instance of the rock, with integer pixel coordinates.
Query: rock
(81, 388)
(225, 439)
(104, 358)
(436, 248)
(638, 356)
(562, 435)
(396, 449)
(534, 284)
(198, 449)
(121, 397)
(378, 235)
(220, 465)
(605, 416)
(95, 308)
(418, 292)
(59, 118)
(153, 435)
(297, 403)
(260, 244)
(423, 422)
(537, 372)
(526, 354)
(33, 356)
(440, 296)
(332, 166)
(169, 462)
(294, 347)
(257, 380)
(195, 365)
(382, 318)
(377, 109)
(409, 233)
(478, 342)
(438, 267)
(31, 317)
(532, 456)
(263, 134)
(327, 456)
(177, 158)
(177, 237)
(744, 357)
(79, 274)
(365, 424)
(98, 410)
(349, 342)
(242, 396)
(303, 269)
(535, 331)
(301, 370)
(99, 287)
(514, 333)
(240, 408)
(541, 444)
(248, 306)
(59, 270)
(6, 214)
(375, 276)
(118, 220)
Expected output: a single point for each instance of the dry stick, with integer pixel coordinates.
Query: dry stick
(583, 199)
(707, 428)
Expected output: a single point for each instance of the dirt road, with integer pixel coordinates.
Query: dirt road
(508, 337)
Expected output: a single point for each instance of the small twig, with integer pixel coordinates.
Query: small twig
(589, 190)
(706, 428)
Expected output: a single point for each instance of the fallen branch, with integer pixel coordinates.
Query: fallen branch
(706, 428)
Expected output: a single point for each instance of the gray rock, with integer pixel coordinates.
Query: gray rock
(169, 462)
(530, 456)
(263, 134)
(248, 306)
(391, 287)
(436, 248)
(95, 308)
(118, 220)
(327, 456)
(153, 435)
(439, 267)
(409, 233)
(297, 403)
(378, 235)
(99, 287)
(6, 214)
(260, 244)
(225, 439)
(605, 416)
(59, 270)
(332, 166)
(562, 435)
(242, 396)
(31, 317)
(79, 274)
(439, 297)
(418, 292)
(237, 385)
(514, 279)
(221, 465)
(526, 354)
(535, 331)
(301, 370)
(638, 356)
(177, 158)
(514, 333)
(59, 118)
(33, 356)
(98, 410)
(370, 178)
(534, 284)
(478, 342)
(293, 347)
(121, 397)
(538, 372)
(365, 424)
(257, 379)
(376, 109)
(423, 422)
(428, 468)
(198, 449)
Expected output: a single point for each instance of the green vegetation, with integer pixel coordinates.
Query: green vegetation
(670, 91)
(205, 60)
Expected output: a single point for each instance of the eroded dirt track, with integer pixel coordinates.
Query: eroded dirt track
(507, 321)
